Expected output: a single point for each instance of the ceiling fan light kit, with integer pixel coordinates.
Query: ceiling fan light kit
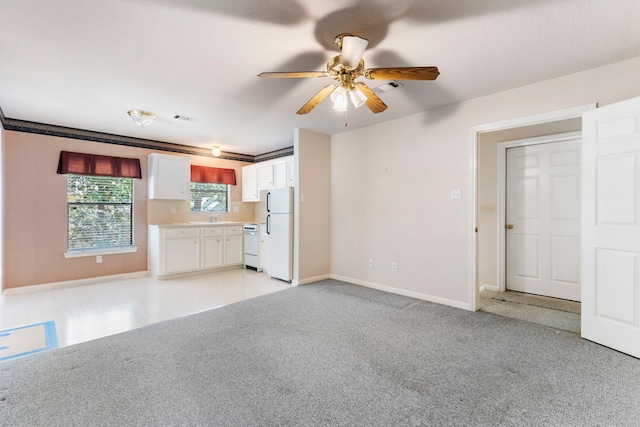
(345, 69)
(339, 99)
(358, 98)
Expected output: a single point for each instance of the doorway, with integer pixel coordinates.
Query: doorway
(487, 254)
(539, 196)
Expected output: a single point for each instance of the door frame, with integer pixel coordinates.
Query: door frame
(475, 132)
(502, 192)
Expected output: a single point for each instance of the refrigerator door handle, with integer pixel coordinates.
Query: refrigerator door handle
(269, 201)
(268, 224)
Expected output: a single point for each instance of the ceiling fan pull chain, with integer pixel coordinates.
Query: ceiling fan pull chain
(345, 117)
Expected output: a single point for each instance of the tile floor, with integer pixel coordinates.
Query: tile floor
(86, 312)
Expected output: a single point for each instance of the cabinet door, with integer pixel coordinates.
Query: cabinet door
(280, 175)
(290, 173)
(265, 177)
(168, 177)
(233, 250)
(181, 255)
(250, 184)
(212, 252)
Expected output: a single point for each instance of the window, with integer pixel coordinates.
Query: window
(100, 212)
(205, 197)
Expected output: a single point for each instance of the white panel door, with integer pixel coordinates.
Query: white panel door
(543, 219)
(611, 226)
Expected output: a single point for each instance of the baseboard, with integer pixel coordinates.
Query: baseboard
(197, 272)
(70, 283)
(493, 288)
(418, 295)
(311, 280)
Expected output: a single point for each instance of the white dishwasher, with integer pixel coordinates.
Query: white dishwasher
(251, 246)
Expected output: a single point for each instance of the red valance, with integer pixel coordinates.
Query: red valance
(92, 164)
(213, 175)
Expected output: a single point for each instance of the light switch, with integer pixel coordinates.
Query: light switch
(456, 194)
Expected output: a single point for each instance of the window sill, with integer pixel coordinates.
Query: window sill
(96, 252)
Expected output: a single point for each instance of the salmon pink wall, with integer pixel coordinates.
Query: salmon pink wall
(35, 211)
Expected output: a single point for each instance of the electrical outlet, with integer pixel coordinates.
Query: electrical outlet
(98, 259)
(394, 267)
(173, 210)
(371, 262)
(236, 209)
(456, 194)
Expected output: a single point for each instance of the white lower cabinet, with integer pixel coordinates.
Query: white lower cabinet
(212, 247)
(233, 250)
(181, 255)
(176, 250)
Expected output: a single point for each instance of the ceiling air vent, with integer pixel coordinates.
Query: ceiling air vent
(185, 118)
(387, 87)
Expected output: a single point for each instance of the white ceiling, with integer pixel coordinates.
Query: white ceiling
(84, 63)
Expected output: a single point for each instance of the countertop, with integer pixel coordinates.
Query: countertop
(198, 224)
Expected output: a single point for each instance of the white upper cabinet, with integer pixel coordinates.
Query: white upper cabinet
(250, 184)
(168, 177)
(280, 174)
(291, 178)
(266, 175)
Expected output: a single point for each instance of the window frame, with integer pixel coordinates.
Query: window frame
(227, 194)
(84, 252)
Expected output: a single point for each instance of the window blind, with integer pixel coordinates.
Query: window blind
(100, 212)
(96, 165)
(213, 175)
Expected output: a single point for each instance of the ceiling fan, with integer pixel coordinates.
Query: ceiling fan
(345, 69)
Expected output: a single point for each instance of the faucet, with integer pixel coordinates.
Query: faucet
(214, 217)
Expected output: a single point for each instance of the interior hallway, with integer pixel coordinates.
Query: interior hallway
(85, 312)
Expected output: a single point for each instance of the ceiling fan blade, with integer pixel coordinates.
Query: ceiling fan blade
(316, 99)
(373, 101)
(352, 49)
(293, 74)
(402, 73)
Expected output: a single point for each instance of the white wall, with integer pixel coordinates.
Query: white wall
(390, 184)
(312, 240)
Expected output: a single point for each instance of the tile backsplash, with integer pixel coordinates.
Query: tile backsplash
(161, 212)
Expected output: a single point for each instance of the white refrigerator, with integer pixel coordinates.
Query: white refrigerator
(280, 231)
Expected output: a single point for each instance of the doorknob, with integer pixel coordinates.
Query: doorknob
(508, 226)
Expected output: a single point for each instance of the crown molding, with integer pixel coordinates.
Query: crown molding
(86, 135)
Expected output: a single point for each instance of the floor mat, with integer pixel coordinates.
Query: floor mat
(25, 340)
